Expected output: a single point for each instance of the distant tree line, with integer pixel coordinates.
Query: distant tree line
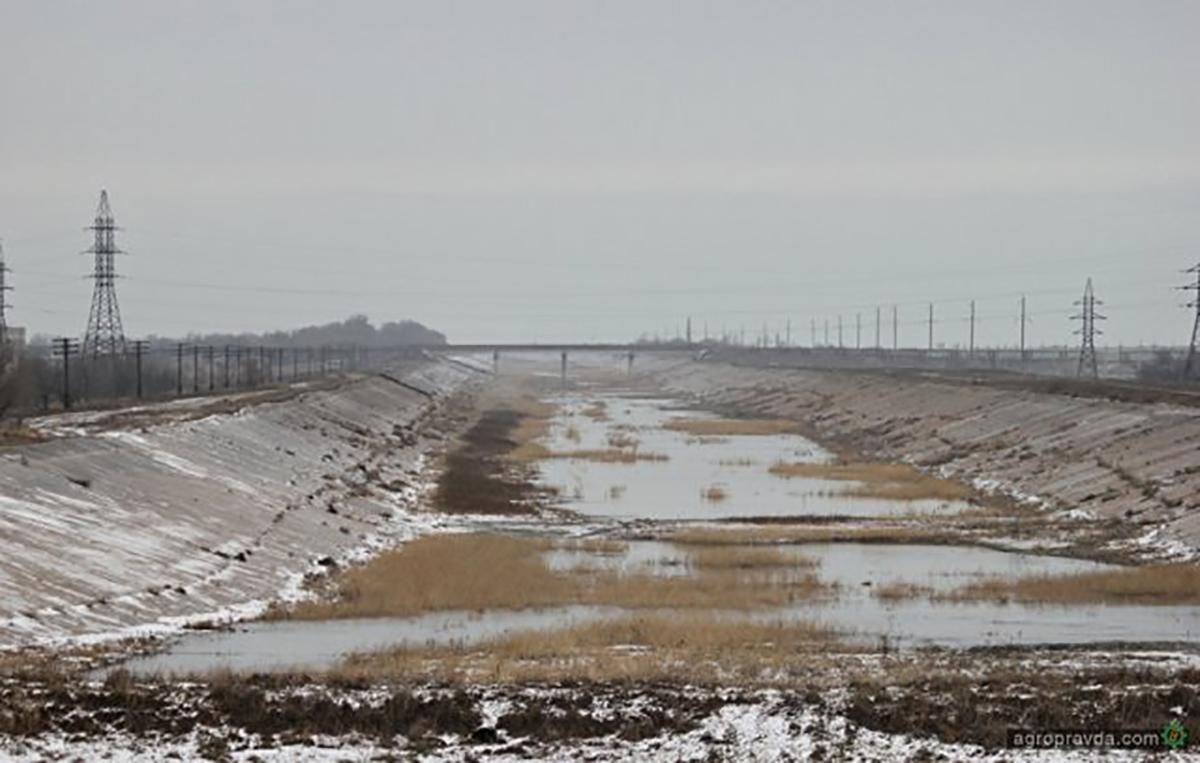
(32, 378)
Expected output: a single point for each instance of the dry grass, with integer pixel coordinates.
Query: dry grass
(597, 411)
(898, 482)
(439, 572)
(776, 534)
(1160, 584)
(899, 591)
(18, 433)
(737, 462)
(746, 558)
(709, 440)
(729, 427)
(533, 426)
(603, 546)
(714, 494)
(607, 456)
(645, 647)
(622, 440)
(480, 571)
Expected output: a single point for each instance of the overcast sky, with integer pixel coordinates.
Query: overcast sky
(562, 169)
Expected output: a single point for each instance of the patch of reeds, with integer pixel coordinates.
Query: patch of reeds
(731, 427)
(746, 558)
(622, 440)
(714, 494)
(899, 591)
(1158, 584)
(607, 455)
(602, 546)
(737, 462)
(697, 648)
(481, 571)
(772, 534)
(597, 411)
(897, 482)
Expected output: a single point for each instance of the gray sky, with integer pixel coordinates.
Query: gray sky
(562, 169)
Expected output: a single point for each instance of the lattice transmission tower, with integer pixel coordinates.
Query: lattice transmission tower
(1088, 331)
(1190, 365)
(104, 335)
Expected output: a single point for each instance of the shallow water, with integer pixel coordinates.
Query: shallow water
(858, 569)
(672, 489)
(316, 644)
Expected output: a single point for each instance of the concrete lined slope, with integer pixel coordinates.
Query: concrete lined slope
(1139, 462)
(119, 528)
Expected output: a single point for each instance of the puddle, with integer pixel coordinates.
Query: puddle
(639, 557)
(317, 644)
(674, 489)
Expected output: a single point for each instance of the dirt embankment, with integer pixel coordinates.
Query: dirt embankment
(1133, 467)
(169, 514)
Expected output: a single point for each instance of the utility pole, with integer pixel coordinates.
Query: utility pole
(971, 346)
(139, 349)
(1190, 363)
(878, 325)
(179, 369)
(225, 368)
(1087, 331)
(4, 306)
(211, 381)
(840, 344)
(787, 341)
(104, 335)
(262, 367)
(195, 369)
(64, 348)
(858, 331)
(931, 327)
(895, 328)
(689, 331)
(814, 333)
(1024, 320)
(279, 365)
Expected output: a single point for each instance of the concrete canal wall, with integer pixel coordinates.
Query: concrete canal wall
(107, 525)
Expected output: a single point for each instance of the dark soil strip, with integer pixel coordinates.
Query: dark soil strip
(980, 709)
(290, 714)
(477, 479)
